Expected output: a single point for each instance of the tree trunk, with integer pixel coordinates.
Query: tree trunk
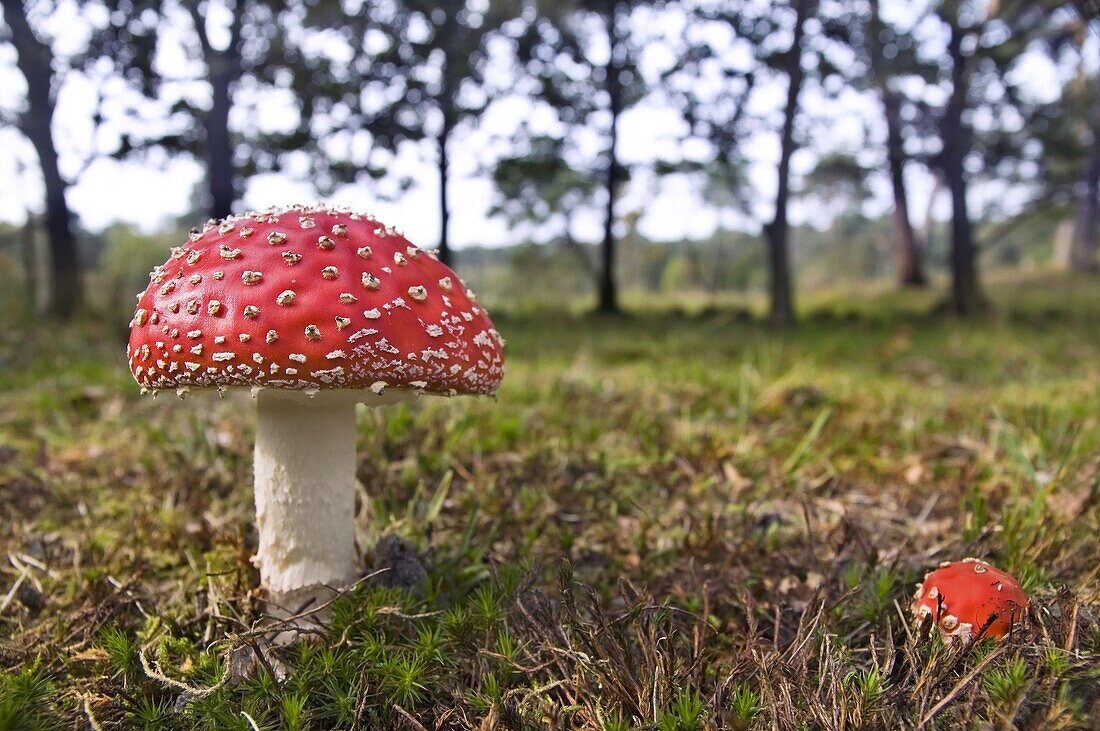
(35, 59)
(219, 145)
(608, 289)
(782, 304)
(910, 254)
(223, 67)
(1082, 253)
(908, 248)
(965, 295)
(444, 208)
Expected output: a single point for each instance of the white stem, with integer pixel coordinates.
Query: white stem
(305, 491)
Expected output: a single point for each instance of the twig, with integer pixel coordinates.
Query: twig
(23, 562)
(89, 715)
(14, 588)
(124, 589)
(662, 607)
(396, 612)
(408, 717)
(959, 687)
(462, 472)
(154, 673)
(515, 665)
(29, 560)
(929, 505)
(262, 657)
(320, 607)
(1071, 638)
(251, 721)
(528, 693)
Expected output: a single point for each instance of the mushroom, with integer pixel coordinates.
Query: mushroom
(970, 596)
(311, 339)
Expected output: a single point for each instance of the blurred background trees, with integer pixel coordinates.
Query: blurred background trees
(580, 60)
(229, 58)
(887, 56)
(434, 62)
(814, 134)
(40, 68)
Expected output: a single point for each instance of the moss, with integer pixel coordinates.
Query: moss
(669, 520)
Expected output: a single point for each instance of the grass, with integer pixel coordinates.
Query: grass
(666, 521)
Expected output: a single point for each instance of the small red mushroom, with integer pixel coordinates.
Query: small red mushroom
(315, 310)
(970, 596)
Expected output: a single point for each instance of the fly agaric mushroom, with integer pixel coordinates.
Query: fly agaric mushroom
(315, 310)
(970, 596)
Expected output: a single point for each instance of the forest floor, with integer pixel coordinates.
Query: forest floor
(664, 521)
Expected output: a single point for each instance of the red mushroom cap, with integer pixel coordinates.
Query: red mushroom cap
(310, 298)
(963, 597)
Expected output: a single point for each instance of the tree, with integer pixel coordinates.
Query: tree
(252, 54)
(965, 295)
(538, 185)
(840, 182)
(581, 61)
(1070, 133)
(1086, 237)
(425, 65)
(782, 299)
(612, 14)
(224, 68)
(983, 44)
(1087, 232)
(362, 81)
(765, 44)
(38, 65)
(889, 53)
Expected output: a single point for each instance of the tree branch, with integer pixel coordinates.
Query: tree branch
(237, 26)
(200, 29)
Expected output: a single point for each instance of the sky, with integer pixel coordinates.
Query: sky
(151, 193)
